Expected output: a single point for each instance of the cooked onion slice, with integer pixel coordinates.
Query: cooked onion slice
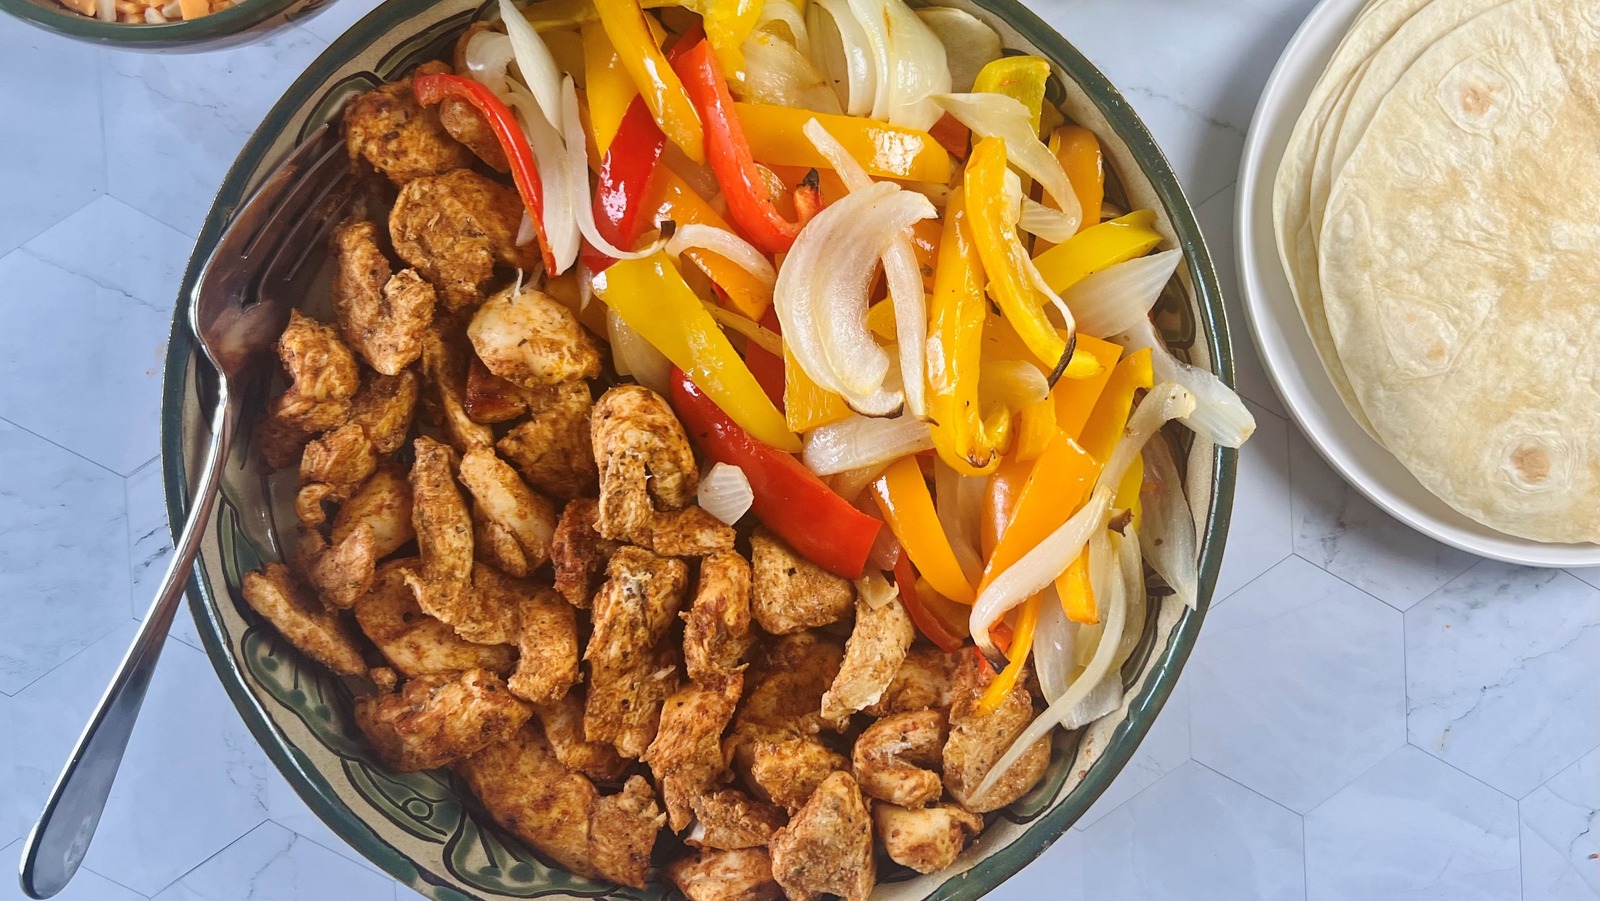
(1116, 298)
(839, 48)
(725, 492)
(969, 45)
(1168, 539)
(909, 63)
(538, 67)
(999, 116)
(862, 441)
(1219, 414)
(632, 355)
(724, 243)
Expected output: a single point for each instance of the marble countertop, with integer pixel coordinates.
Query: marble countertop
(1368, 714)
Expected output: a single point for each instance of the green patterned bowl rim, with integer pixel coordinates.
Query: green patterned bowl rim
(216, 30)
(1143, 707)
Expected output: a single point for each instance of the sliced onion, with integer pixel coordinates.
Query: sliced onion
(632, 355)
(849, 485)
(577, 163)
(1105, 573)
(1162, 404)
(778, 73)
(875, 589)
(1103, 698)
(1116, 298)
(1168, 539)
(1219, 415)
(969, 45)
(862, 441)
(488, 55)
(785, 12)
(1043, 222)
(752, 330)
(956, 502)
(908, 60)
(1053, 646)
(725, 492)
(526, 233)
(1010, 384)
(105, 10)
(839, 48)
(999, 116)
(550, 152)
(539, 70)
(1126, 547)
(726, 244)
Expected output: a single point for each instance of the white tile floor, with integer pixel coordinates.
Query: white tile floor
(1369, 715)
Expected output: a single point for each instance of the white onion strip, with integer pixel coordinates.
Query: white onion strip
(488, 56)
(1219, 415)
(1114, 299)
(1043, 222)
(550, 153)
(1168, 539)
(847, 61)
(726, 244)
(999, 116)
(908, 60)
(725, 493)
(863, 441)
(538, 67)
(1053, 646)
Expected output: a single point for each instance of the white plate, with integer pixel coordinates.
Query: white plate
(1291, 360)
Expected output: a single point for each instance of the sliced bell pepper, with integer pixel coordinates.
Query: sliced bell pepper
(1127, 496)
(652, 297)
(1076, 592)
(806, 404)
(1000, 501)
(967, 441)
(750, 197)
(430, 89)
(1056, 487)
(671, 198)
(1016, 657)
(952, 136)
(907, 506)
(1001, 342)
(925, 237)
(1036, 426)
(1096, 248)
(625, 24)
(886, 151)
(1019, 77)
(1075, 398)
(767, 366)
(608, 88)
(1104, 428)
(921, 607)
(1078, 151)
(728, 23)
(624, 185)
(789, 499)
(551, 14)
(1004, 258)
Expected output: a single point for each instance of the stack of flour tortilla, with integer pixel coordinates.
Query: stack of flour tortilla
(1438, 213)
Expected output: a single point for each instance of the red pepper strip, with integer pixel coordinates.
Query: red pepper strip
(765, 365)
(430, 89)
(985, 668)
(624, 185)
(750, 199)
(921, 616)
(821, 526)
(952, 136)
(691, 38)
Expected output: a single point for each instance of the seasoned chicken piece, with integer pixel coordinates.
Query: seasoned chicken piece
(509, 503)
(319, 633)
(530, 793)
(412, 641)
(332, 467)
(444, 535)
(453, 228)
(439, 718)
(827, 848)
(895, 758)
(790, 593)
(324, 376)
(923, 680)
(716, 632)
(491, 399)
(531, 339)
(492, 544)
(397, 136)
(788, 770)
(730, 819)
(487, 611)
(977, 741)
(552, 449)
(686, 755)
(875, 651)
(630, 674)
(773, 741)
(383, 505)
(340, 573)
(563, 725)
(547, 640)
(744, 875)
(648, 477)
(381, 316)
(926, 840)
(385, 407)
(464, 123)
(578, 553)
(445, 362)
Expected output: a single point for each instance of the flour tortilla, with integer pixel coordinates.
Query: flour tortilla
(1460, 269)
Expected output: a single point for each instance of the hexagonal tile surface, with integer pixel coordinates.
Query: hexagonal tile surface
(1589, 574)
(150, 548)
(1413, 828)
(1503, 674)
(63, 555)
(1195, 836)
(1056, 874)
(86, 886)
(1259, 534)
(1341, 531)
(1560, 844)
(1164, 749)
(271, 863)
(47, 170)
(1297, 685)
(1216, 220)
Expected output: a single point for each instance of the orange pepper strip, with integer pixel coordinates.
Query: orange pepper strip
(671, 197)
(1016, 657)
(1000, 501)
(1060, 479)
(907, 506)
(1077, 594)
(1078, 151)
(1104, 428)
(806, 404)
(1037, 426)
(1127, 497)
(1075, 398)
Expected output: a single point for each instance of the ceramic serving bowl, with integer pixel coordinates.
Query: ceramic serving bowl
(422, 827)
(249, 20)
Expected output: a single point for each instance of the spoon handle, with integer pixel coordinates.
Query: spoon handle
(61, 837)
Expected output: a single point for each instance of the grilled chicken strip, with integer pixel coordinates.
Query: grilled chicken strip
(439, 718)
(827, 848)
(630, 673)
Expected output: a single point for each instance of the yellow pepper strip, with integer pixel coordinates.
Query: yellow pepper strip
(1036, 426)
(728, 23)
(907, 506)
(885, 151)
(967, 441)
(1003, 256)
(1019, 77)
(1096, 248)
(1000, 342)
(1077, 594)
(881, 321)
(1075, 398)
(1056, 486)
(625, 24)
(1104, 428)
(1127, 497)
(926, 235)
(1016, 657)
(1078, 151)
(652, 297)
(671, 198)
(609, 88)
(550, 14)
(806, 404)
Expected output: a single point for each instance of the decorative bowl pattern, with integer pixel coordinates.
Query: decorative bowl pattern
(423, 828)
